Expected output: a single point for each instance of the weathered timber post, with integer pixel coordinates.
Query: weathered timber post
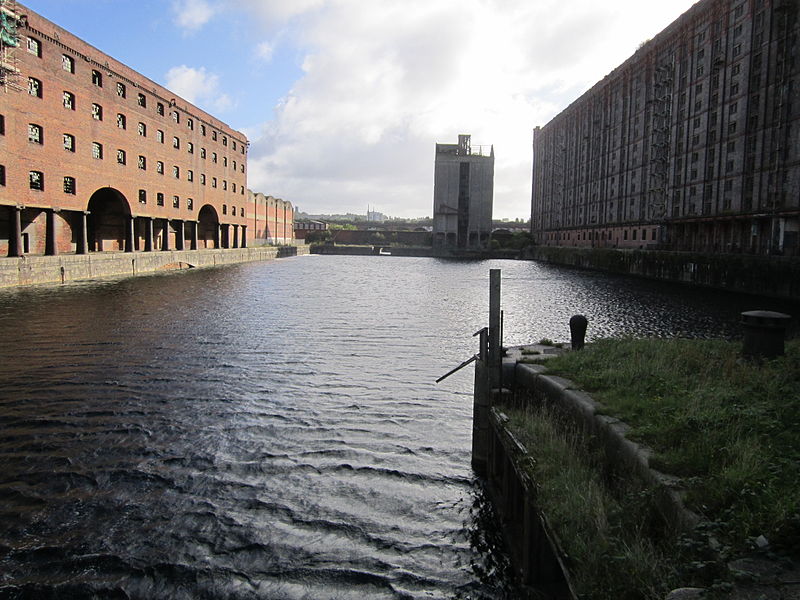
(487, 377)
(495, 357)
(481, 403)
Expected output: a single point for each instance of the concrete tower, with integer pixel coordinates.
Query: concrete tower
(463, 190)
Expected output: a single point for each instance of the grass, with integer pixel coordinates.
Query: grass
(607, 534)
(729, 429)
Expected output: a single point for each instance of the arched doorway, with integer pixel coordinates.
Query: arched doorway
(107, 224)
(207, 227)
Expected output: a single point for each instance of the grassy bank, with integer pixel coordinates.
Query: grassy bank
(730, 430)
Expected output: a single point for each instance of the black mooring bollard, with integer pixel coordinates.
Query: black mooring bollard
(577, 330)
(764, 333)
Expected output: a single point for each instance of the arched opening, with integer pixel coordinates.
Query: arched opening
(109, 214)
(207, 227)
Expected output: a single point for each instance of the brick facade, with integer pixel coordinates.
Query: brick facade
(97, 157)
(271, 220)
(691, 144)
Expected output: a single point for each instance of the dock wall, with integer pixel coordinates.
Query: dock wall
(774, 276)
(64, 268)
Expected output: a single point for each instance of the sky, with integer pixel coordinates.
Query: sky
(343, 101)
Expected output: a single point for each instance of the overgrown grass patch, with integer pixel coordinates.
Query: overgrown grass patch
(607, 533)
(729, 428)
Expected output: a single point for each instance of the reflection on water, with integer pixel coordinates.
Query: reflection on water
(273, 430)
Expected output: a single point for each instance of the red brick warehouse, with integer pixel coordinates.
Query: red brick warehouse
(96, 157)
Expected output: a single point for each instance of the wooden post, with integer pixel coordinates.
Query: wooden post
(495, 358)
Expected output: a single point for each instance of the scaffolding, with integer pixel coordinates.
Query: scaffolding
(10, 21)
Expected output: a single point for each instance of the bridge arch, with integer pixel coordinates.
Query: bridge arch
(109, 213)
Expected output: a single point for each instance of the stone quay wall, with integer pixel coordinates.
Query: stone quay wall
(64, 268)
(775, 276)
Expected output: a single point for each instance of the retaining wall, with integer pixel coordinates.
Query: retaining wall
(28, 270)
(775, 276)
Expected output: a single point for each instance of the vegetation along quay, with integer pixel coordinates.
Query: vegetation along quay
(682, 468)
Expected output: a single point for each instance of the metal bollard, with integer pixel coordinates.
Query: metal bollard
(577, 331)
(764, 333)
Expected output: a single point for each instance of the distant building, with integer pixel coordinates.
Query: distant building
(693, 143)
(302, 228)
(375, 216)
(463, 190)
(270, 219)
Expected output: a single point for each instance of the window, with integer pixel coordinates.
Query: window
(69, 142)
(234, 146)
(213, 182)
(213, 157)
(35, 133)
(224, 209)
(696, 123)
(67, 63)
(241, 167)
(34, 87)
(97, 112)
(142, 129)
(122, 122)
(224, 161)
(242, 149)
(176, 202)
(190, 147)
(214, 135)
(737, 50)
(141, 100)
(69, 100)
(731, 146)
(202, 130)
(700, 70)
(36, 180)
(734, 89)
(160, 109)
(2, 175)
(190, 175)
(69, 185)
(224, 140)
(159, 167)
(190, 204)
(737, 31)
(734, 107)
(121, 91)
(176, 143)
(35, 47)
(224, 184)
(190, 123)
(234, 164)
(2, 125)
(142, 163)
(160, 199)
(175, 116)
(160, 136)
(121, 157)
(176, 172)
(97, 78)
(729, 166)
(202, 178)
(233, 211)
(142, 196)
(241, 190)
(735, 69)
(203, 153)
(233, 187)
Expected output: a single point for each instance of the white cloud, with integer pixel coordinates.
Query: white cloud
(383, 81)
(198, 87)
(264, 50)
(191, 15)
